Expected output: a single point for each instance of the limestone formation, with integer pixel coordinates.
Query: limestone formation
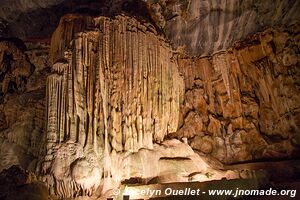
(22, 105)
(119, 100)
(247, 99)
(15, 68)
(113, 87)
(198, 27)
(204, 27)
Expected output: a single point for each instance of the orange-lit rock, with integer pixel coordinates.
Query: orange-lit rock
(252, 93)
(111, 103)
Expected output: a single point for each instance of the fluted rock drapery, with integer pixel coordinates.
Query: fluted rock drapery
(114, 87)
(117, 81)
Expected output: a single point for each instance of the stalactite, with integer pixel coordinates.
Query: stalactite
(118, 90)
(238, 100)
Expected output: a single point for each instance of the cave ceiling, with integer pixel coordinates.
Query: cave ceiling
(196, 27)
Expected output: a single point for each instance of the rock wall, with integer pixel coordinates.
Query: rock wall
(243, 104)
(114, 87)
(119, 106)
(22, 106)
(198, 27)
(15, 68)
(204, 27)
(120, 79)
(16, 180)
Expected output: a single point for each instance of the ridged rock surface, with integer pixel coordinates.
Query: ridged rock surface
(196, 27)
(243, 104)
(114, 92)
(118, 100)
(119, 81)
(203, 27)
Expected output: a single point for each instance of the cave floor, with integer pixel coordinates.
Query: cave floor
(278, 175)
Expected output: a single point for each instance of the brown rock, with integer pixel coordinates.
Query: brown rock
(252, 88)
(17, 184)
(206, 147)
(214, 126)
(15, 68)
(204, 144)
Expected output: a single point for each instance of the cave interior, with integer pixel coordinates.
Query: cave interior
(149, 99)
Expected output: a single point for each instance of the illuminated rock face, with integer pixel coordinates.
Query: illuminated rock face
(116, 89)
(199, 27)
(243, 104)
(120, 107)
(204, 27)
(119, 81)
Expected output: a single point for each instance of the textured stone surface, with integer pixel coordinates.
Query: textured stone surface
(107, 105)
(247, 99)
(22, 105)
(114, 87)
(112, 103)
(15, 68)
(130, 74)
(202, 27)
(198, 27)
